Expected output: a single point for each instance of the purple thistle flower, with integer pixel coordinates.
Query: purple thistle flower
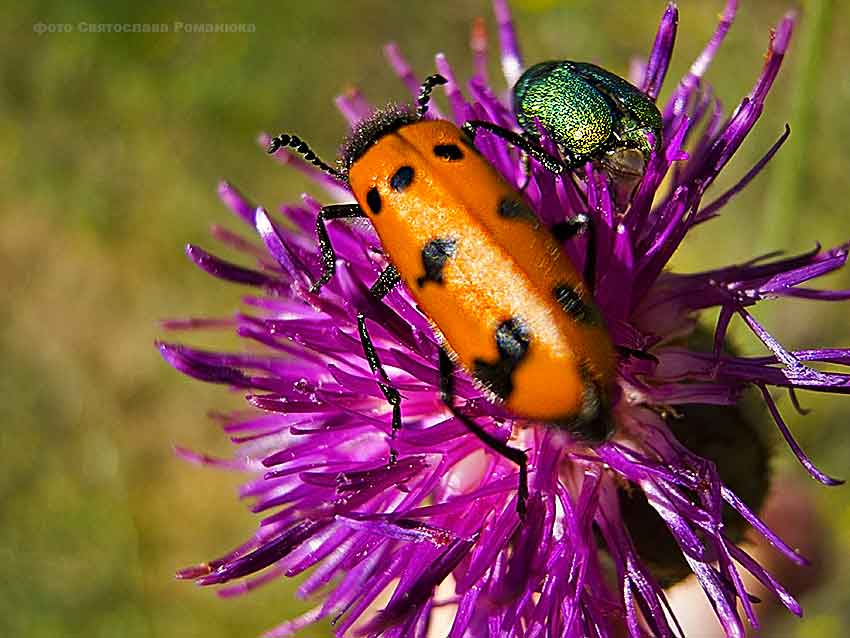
(439, 527)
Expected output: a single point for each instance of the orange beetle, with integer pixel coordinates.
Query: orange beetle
(505, 301)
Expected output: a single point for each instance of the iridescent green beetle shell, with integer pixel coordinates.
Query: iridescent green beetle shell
(586, 110)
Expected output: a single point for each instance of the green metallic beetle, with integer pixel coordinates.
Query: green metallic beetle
(590, 114)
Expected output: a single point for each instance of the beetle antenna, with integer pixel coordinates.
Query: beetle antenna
(301, 147)
(425, 93)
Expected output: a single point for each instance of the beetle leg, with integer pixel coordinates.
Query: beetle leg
(386, 281)
(499, 447)
(334, 211)
(550, 162)
(390, 393)
(625, 351)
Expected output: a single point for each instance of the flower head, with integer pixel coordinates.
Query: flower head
(439, 525)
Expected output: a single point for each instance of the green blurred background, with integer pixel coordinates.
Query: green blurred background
(112, 145)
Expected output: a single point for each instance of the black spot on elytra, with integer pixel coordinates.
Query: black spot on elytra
(434, 256)
(449, 152)
(512, 339)
(572, 303)
(511, 208)
(402, 179)
(373, 199)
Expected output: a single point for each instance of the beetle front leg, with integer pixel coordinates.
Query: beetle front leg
(334, 211)
(550, 162)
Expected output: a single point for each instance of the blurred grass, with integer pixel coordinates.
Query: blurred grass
(113, 144)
